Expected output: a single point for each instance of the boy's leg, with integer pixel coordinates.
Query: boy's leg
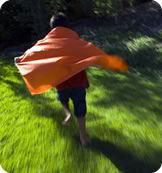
(63, 97)
(79, 102)
(68, 116)
(81, 121)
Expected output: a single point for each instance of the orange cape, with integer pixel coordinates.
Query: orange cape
(59, 56)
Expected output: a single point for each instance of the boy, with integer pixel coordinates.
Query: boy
(73, 88)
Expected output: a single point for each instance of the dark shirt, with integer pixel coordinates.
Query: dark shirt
(77, 81)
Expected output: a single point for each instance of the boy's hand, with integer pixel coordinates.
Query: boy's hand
(17, 60)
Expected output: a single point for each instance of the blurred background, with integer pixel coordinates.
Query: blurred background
(26, 21)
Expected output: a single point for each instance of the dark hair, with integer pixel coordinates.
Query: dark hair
(59, 19)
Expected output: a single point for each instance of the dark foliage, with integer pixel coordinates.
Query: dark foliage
(15, 25)
(18, 24)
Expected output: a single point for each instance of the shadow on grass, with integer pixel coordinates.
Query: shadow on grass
(5, 66)
(122, 159)
(133, 92)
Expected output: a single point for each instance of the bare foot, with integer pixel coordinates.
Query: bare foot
(67, 120)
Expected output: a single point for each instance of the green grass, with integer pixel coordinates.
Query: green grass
(124, 118)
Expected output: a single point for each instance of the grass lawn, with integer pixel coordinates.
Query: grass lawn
(124, 118)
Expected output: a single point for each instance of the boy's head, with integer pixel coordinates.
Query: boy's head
(59, 19)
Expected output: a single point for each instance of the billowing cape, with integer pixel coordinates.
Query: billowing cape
(59, 56)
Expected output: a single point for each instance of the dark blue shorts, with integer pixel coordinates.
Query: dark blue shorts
(78, 97)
